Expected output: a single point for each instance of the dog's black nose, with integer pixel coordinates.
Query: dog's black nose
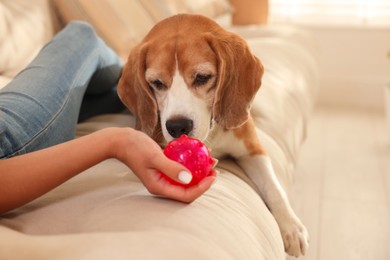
(177, 127)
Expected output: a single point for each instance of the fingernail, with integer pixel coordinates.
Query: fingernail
(185, 177)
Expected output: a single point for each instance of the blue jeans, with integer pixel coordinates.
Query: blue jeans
(41, 106)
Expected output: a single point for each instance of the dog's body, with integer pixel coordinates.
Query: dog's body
(189, 76)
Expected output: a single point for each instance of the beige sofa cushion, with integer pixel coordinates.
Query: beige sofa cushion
(106, 213)
(210, 8)
(25, 26)
(4, 81)
(160, 9)
(120, 23)
(123, 23)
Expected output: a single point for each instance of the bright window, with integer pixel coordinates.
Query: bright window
(336, 12)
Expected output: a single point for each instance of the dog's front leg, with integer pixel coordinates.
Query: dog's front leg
(259, 169)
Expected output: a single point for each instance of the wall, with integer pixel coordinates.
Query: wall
(355, 66)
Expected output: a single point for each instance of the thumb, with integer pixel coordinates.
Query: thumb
(173, 169)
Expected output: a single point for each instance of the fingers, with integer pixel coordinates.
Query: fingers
(160, 186)
(189, 194)
(176, 171)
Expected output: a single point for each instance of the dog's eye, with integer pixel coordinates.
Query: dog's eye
(201, 79)
(158, 84)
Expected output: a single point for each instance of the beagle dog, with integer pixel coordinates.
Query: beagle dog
(190, 76)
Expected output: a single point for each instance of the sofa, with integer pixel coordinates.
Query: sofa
(106, 212)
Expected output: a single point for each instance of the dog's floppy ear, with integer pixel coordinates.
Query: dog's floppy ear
(135, 92)
(239, 78)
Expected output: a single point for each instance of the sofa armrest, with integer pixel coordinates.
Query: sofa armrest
(249, 12)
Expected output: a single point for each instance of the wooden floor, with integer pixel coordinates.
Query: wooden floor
(342, 185)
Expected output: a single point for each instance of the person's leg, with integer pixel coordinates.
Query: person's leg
(97, 104)
(101, 97)
(40, 107)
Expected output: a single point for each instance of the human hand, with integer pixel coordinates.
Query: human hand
(145, 157)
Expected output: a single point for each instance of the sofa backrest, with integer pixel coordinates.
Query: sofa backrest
(25, 26)
(123, 23)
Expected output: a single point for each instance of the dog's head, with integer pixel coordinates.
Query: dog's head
(187, 74)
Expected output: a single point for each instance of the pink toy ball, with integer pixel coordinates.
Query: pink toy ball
(193, 154)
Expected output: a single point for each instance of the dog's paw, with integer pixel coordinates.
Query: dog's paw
(295, 236)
